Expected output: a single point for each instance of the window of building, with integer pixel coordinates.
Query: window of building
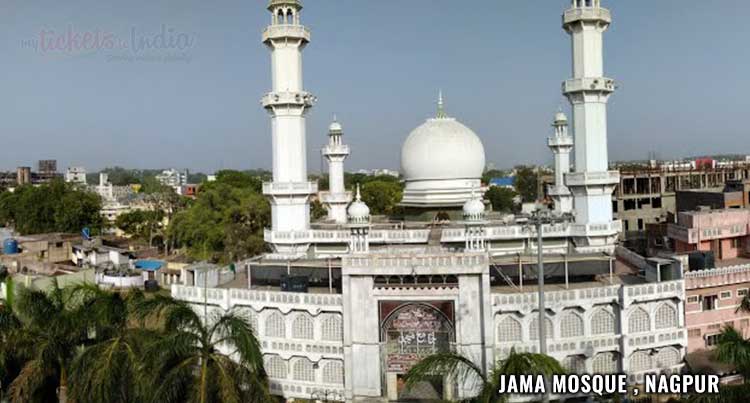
(710, 302)
(509, 329)
(332, 329)
(640, 361)
(639, 321)
(656, 202)
(574, 364)
(303, 370)
(640, 224)
(668, 357)
(276, 367)
(302, 327)
(333, 372)
(712, 339)
(275, 326)
(693, 299)
(628, 205)
(534, 328)
(742, 292)
(605, 363)
(694, 333)
(614, 206)
(627, 225)
(602, 322)
(666, 317)
(571, 325)
(725, 295)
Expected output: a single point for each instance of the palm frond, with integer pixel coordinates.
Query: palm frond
(453, 365)
(239, 333)
(528, 364)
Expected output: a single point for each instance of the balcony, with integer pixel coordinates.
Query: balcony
(335, 198)
(334, 150)
(289, 188)
(658, 338)
(587, 14)
(717, 277)
(566, 141)
(597, 84)
(592, 178)
(653, 292)
(287, 237)
(285, 31)
(279, 99)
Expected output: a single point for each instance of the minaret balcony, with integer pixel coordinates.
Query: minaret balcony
(336, 150)
(286, 31)
(589, 84)
(560, 142)
(587, 14)
(335, 198)
(289, 188)
(558, 191)
(275, 99)
(579, 179)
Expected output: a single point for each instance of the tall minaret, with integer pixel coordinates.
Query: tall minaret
(288, 103)
(561, 144)
(588, 91)
(337, 198)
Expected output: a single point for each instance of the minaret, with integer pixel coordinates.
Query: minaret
(288, 103)
(474, 224)
(359, 225)
(561, 144)
(337, 198)
(592, 183)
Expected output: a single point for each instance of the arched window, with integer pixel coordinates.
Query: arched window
(666, 317)
(605, 363)
(571, 325)
(289, 17)
(276, 367)
(602, 322)
(331, 328)
(668, 357)
(509, 329)
(250, 316)
(640, 361)
(333, 372)
(280, 18)
(534, 328)
(302, 327)
(275, 326)
(574, 364)
(302, 370)
(638, 321)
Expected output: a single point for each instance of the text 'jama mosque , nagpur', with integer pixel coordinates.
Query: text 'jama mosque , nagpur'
(345, 306)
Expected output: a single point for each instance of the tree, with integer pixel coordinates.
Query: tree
(141, 224)
(45, 344)
(187, 363)
(53, 207)
(493, 173)
(381, 196)
(502, 199)
(110, 369)
(225, 222)
(317, 211)
(526, 183)
(463, 370)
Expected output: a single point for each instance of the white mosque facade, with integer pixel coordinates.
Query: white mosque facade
(344, 307)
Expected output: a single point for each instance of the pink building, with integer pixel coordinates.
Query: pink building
(724, 232)
(712, 298)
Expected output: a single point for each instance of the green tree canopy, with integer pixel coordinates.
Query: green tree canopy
(53, 207)
(226, 220)
(502, 199)
(381, 196)
(526, 183)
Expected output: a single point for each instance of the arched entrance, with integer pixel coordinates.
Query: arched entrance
(411, 331)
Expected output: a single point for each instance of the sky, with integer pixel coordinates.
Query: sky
(193, 101)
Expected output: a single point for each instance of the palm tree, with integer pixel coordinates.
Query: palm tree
(216, 361)
(9, 363)
(110, 369)
(462, 369)
(46, 342)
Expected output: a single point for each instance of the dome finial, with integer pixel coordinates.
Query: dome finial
(441, 106)
(359, 196)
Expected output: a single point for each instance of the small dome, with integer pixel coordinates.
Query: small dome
(560, 117)
(358, 211)
(442, 148)
(335, 127)
(474, 209)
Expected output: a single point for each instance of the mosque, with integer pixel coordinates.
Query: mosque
(345, 306)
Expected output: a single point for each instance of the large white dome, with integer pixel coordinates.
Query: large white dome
(442, 148)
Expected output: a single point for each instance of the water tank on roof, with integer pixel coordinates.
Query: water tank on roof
(10, 247)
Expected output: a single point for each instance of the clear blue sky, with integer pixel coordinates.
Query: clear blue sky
(681, 66)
